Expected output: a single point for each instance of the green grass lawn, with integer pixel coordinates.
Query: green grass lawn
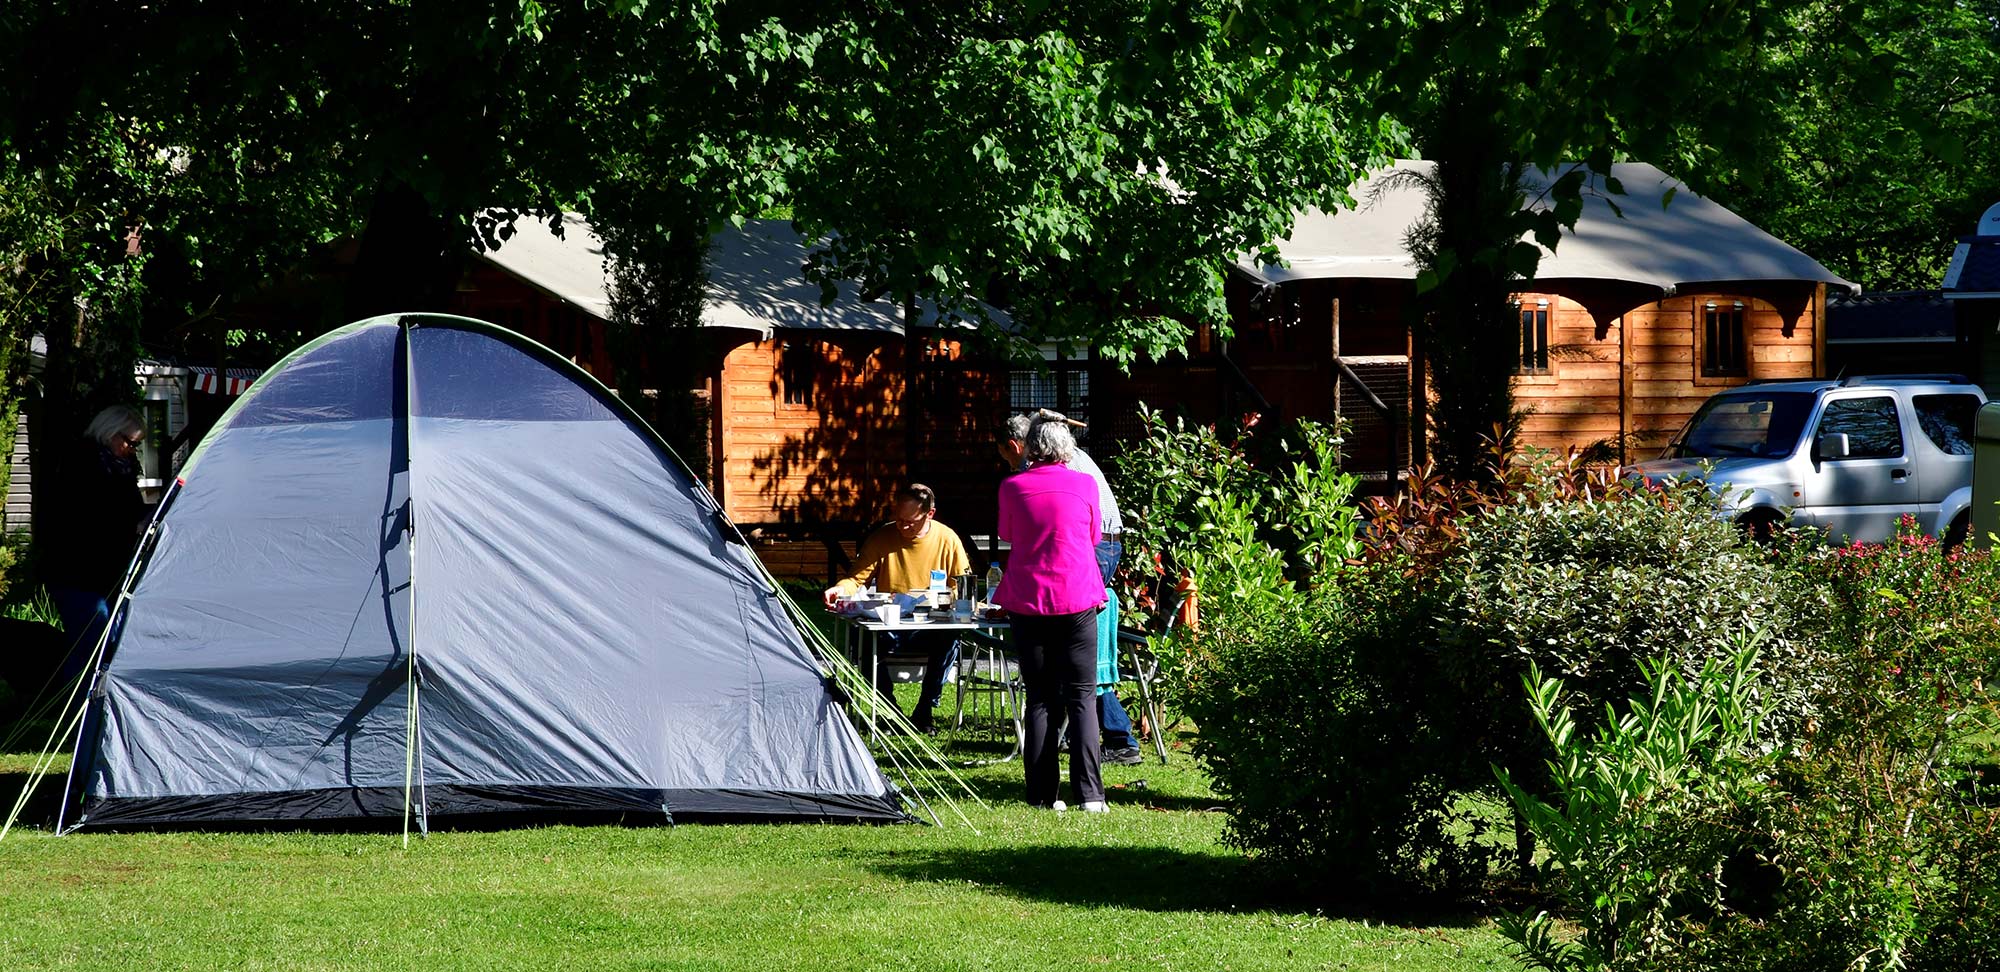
(1149, 885)
(1146, 886)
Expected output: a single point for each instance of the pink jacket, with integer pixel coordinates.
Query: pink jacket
(1049, 515)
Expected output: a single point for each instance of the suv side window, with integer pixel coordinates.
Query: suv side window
(1947, 420)
(1873, 429)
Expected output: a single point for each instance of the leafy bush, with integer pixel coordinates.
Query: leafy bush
(1585, 578)
(1888, 852)
(1324, 729)
(1867, 839)
(1312, 711)
(1352, 711)
(1587, 589)
(1247, 519)
(1644, 813)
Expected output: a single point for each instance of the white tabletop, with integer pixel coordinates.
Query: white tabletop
(871, 624)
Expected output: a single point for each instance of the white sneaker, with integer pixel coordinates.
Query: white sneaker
(1095, 806)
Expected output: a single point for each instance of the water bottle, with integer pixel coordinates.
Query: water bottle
(992, 582)
(961, 596)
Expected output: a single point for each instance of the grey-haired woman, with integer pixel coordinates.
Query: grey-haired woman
(89, 531)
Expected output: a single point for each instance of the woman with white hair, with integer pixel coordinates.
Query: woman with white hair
(94, 518)
(1051, 590)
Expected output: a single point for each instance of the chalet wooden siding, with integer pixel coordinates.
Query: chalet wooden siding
(1621, 382)
(1576, 403)
(834, 453)
(1284, 354)
(1628, 384)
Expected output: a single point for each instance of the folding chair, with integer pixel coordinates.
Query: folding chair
(984, 670)
(1146, 670)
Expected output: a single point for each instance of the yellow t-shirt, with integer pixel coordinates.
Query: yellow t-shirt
(905, 565)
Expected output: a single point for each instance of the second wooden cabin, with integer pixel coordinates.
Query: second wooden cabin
(1648, 306)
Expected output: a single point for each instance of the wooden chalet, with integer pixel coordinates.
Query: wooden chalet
(1645, 309)
(814, 413)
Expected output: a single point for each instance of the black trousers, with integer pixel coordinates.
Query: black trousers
(1058, 655)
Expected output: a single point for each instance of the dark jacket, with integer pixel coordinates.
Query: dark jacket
(94, 516)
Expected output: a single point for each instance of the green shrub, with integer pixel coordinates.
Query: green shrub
(1588, 589)
(1242, 517)
(1645, 814)
(1314, 718)
(1888, 853)
(1326, 733)
(1866, 836)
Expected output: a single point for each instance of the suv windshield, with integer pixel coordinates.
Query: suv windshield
(1765, 425)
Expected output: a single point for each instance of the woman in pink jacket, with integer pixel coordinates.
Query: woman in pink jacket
(1052, 590)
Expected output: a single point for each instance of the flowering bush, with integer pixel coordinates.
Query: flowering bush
(1888, 855)
(1247, 518)
(1862, 836)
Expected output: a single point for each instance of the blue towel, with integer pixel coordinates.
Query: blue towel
(1107, 642)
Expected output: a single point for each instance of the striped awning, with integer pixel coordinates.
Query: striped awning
(234, 381)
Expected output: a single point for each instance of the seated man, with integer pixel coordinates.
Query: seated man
(900, 556)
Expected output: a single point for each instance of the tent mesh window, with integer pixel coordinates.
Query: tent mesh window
(1534, 339)
(1724, 352)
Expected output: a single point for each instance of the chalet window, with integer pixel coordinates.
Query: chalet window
(1725, 350)
(1534, 339)
(1065, 387)
(797, 361)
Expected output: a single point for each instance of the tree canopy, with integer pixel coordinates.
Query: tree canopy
(1094, 166)
(1884, 143)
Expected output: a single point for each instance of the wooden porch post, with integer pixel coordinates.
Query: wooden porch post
(1625, 376)
(909, 408)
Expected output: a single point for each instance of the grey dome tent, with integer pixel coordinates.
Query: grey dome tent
(426, 567)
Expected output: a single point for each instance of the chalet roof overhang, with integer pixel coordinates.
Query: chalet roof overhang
(756, 280)
(1624, 251)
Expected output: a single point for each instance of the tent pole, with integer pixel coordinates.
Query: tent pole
(411, 725)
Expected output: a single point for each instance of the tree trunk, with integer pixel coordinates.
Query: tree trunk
(410, 256)
(656, 337)
(1470, 327)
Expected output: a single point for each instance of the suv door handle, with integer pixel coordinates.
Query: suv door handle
(1899, 475)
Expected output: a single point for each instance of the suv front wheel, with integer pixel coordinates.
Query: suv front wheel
(1760, 525)
(1955, 534)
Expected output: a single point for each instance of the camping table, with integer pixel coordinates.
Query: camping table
(859, 640)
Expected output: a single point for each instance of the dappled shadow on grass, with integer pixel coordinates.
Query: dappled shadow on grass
(1121, 794)
(1142, 878)
(1157, 879)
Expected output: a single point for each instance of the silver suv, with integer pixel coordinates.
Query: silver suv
(1846, 457)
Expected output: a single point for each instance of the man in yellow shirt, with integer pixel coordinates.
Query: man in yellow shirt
(900, 555)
